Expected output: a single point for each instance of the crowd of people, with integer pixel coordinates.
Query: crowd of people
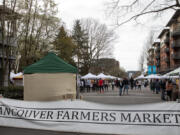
(168, 88)
(100, 85)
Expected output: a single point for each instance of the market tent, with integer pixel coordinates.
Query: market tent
(17, 76)
(140, 77)
(50, 78)
(111, 77)
(169, 77)
(174, 72)
(89, 76)
(103, 76)
(16, 79)
(153, 76)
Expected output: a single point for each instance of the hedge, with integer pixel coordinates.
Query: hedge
(14, 92)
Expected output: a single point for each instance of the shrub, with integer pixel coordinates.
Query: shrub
(14, 92)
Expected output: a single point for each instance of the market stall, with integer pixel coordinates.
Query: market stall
(49, 79)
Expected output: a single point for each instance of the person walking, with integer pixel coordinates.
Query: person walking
(163, 89)
(169, 89)
(139, 84)
(121, 85)
(106, 85)
(157, 86)
(81, 86)
(153, 85)
(101, 85)
(113, 85)
(126, 85)
(132, 83)
(88, 85)
(135, 84)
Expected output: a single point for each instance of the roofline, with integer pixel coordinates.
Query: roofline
(173, 18)
(155, 43)
(162, 32)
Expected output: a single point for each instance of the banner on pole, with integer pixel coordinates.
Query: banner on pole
(85, 117)
(149, 70)
(154, 69)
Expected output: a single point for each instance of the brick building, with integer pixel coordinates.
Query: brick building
(164, 51)
(174, 26)
(167, 51)
(151, 54)
(156, 46)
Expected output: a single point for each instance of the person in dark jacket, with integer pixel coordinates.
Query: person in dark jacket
(126, 85)
(121, 85)
(132, 83)
(163, 89)
(157, 86)
(152, 85)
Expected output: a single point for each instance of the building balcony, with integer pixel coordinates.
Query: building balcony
(158, 56)
(10, 41)
(176, 33)
(166, 41)
(166, 50)
(176, 56)
(158, 49)
(167, 60)
(158, 65)
(176, 44)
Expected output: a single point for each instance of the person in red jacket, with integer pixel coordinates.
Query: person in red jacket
(101, 85)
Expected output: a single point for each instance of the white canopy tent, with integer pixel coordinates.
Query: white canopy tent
(140, 77)
(103, 76)
(174, 72)
(111, 77)
(89, 76)
(169, 77)
(153, 76)
(12, 75)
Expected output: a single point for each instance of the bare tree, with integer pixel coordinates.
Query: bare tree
(129, 10)
(141, 62)
(144, 54)
(37, 28)
(100, 38)
(8, 19)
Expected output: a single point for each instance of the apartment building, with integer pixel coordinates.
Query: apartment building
(151, 55)
(156, 46)
(164, 51)
(174, 26)
(167, 51)
(8, 42)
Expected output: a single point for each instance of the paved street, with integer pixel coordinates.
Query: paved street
(133, 97)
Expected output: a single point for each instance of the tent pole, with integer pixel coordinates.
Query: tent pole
(77, 89)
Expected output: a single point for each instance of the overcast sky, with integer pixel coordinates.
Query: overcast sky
(131, 37)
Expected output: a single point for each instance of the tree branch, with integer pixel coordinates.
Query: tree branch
(148, 12)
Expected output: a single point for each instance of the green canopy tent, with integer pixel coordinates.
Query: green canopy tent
(50, 78)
